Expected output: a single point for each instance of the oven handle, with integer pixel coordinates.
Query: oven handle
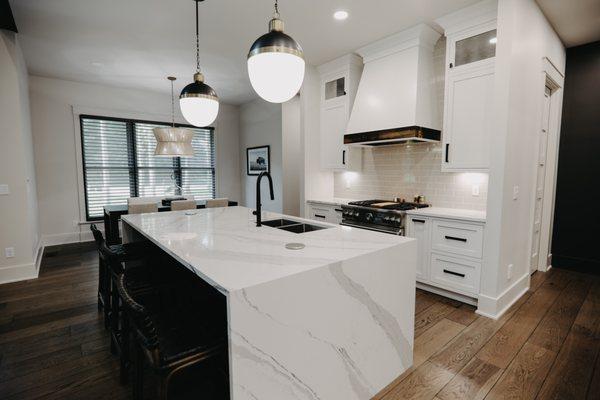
(399, 233)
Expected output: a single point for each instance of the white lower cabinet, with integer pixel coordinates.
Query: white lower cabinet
(449, 253)
(325, 212)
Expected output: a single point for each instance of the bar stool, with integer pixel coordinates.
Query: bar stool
(168, 338)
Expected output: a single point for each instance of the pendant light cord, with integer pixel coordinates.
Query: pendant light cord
(172, 105)
(197, 41)
(276, 15)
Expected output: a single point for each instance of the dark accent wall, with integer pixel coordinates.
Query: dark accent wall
(576, 236)
(6, 17)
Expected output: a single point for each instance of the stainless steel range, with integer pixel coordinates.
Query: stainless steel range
(378, 215)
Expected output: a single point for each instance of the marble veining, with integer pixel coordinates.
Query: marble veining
(332, 321)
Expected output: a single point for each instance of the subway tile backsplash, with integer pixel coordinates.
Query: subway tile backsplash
(409, 170)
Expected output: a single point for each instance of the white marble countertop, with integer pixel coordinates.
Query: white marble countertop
(334, 201)
(225, 248)
(453, 213)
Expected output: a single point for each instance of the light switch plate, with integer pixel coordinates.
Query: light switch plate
(4, 189)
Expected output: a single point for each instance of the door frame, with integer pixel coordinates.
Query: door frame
(554, 79)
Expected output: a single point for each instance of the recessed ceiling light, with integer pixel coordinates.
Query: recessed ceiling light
(493, 40)
(97, 64)
(340, 15)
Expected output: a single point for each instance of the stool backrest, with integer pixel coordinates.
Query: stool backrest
(183, 205)
(143, 323)
(213, 203)
(98, 237)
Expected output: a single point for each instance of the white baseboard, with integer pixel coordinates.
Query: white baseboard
(15, 273)
(452, 295)
(66, 238)
(495, 307)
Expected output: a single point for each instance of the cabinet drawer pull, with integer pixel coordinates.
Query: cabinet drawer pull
(456, 238)
(421, 221)
(337, 209)
(447, 151)
(343, 157)
(319, 216)
(446, 271)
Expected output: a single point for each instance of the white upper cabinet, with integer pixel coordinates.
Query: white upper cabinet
(339, 81)
(469, 88)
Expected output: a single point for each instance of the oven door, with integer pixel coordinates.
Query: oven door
(376, 228)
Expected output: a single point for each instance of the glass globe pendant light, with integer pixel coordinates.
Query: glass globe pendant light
(276, 63)
(199, 102)
(173, 142)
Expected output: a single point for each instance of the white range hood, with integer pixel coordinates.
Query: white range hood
(396, 100)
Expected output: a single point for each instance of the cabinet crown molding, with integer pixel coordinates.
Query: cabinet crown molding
(340, 63)
(468, 17)
(419, 35)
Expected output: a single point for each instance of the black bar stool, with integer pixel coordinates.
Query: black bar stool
(168, 337)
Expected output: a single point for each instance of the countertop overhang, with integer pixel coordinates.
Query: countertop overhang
(226, 248)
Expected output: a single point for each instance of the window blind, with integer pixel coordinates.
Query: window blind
(119, 162)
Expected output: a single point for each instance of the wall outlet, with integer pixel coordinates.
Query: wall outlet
(515, 192)
(509, 272)
(475, 190)
(9, 252)
(4, 190)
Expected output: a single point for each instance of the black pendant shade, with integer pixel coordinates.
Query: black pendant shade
(275, 41)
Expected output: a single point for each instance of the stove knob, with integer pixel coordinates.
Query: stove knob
(369, 217)
(387, 219)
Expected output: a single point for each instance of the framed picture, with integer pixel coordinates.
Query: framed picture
(258, 159)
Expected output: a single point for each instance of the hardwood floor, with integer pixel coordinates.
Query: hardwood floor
(53, 344)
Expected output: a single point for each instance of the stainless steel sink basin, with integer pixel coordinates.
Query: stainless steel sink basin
(292, 226)
(302, 228)
(276, 223)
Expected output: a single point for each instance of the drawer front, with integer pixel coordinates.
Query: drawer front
(323, 213)
(457, 238)
(452, 273)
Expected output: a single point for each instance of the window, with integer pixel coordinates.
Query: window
(119, 162)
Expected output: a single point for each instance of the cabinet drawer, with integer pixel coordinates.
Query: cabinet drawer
(453, 273)
(457, 238)
(325, 212)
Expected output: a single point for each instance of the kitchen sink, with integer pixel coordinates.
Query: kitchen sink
(302, 228)
(293, 226)
(276, 223)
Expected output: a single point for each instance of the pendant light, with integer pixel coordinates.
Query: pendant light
(276, 63)
(173, 142)
(199, 102)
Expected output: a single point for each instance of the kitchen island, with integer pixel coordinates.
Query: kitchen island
(332, 320)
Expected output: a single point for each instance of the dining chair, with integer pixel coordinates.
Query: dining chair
(177, 205)
(141, 208)
(213, 203)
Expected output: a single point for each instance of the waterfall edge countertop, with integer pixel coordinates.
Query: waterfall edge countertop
(226, 248)
(334, 320)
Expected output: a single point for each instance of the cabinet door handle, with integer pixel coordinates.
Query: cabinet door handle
(319, 216)
(421, 221)
(456, 238)
(343, 157)
(446, 271)
(451, 65)
(447, 151)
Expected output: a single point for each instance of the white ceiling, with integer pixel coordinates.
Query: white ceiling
(576, 21)
(137, 43)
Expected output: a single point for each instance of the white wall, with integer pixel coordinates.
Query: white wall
(18, 209)
(260, 125)
(52, 104)
(524, 38)
(291, 156)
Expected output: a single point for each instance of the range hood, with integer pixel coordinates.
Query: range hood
(396, 101)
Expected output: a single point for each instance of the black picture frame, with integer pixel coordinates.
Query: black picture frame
(258, 153)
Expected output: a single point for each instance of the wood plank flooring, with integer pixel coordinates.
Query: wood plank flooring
(547, 346)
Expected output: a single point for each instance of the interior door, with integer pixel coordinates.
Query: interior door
(540, 181)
